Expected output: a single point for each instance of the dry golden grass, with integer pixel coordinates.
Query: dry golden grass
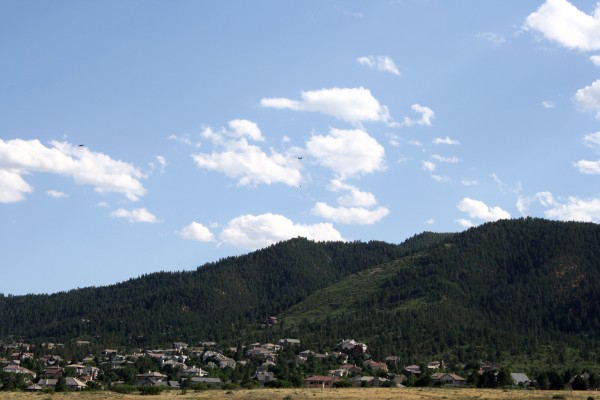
(299, 394)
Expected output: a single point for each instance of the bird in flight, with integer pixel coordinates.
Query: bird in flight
(300, 158)
(81, 145)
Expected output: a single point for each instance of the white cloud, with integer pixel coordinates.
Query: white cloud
(13, 187)
(465, 223)
(56, 194)
(347, 152)
(243, 127)
(352, 105)
(355, 197)
(248, 163)
(20, 157)
(595, 60)
(478, 209)
(593, 141)
(588, 98)
(548, 104)
(350, 215)
(162, 161)
(544, 198)
(380, 63)
(135, 215)
(576, 209)
(469, 182)
(441, 178)
(355, 206)
(428, 166)
(562, 22)
(196, 231)
(446, 140)
(185, 139)
(588, 167)
(427, 115)
(450, 160)
(493, 38)
(430, 221)
(257, 231)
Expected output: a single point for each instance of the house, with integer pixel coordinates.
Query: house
(207, 381)
(352, 369)
(264, 377)
(318, 381)
(194, 371)
(74, 383)
(367, 381)
(34, 388)
(441, 378)
(412, 370)
(520, 379)
(435, 365)
(15, 369)
(375, 366)
(157, 376)
(392, 361)
(54, 372)
(352, 347)
(48, 383)
(289, 342)
(179, 346)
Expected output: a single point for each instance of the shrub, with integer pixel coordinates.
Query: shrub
(123, 389)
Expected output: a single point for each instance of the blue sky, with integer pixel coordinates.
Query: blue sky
(144, 136)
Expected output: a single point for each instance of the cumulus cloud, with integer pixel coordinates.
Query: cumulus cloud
(465, 223)
(380, 63)
(257, 231)
(588, 167)
(185, 139)
(196, 231)
(595, 60)
(55, 194)
(355, 207)
(13, 187)
(480, 210)
(562, 22)
(354, 197)
(588, 98)
(21, 157)
(350, 215)
(347, 152)
(576, 209)
(135, 215)
(354, 105)
(427, 116)
(446, 140)
(248, 163)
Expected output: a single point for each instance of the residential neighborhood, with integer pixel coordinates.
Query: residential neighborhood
(39, 368)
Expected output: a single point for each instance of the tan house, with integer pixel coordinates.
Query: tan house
(318, 381)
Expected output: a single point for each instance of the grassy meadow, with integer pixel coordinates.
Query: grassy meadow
(298, 394)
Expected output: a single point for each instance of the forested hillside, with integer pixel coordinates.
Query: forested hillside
(527, 288)
(219, 301)
(514, 287)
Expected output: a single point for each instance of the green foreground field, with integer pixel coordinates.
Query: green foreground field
(298, 394)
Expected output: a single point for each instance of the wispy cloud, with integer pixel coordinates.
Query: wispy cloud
(426, 118)
(55, 194)
(380, 63)
(446, 140)
(495, 39)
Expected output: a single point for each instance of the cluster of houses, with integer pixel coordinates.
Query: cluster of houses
(79, 375)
